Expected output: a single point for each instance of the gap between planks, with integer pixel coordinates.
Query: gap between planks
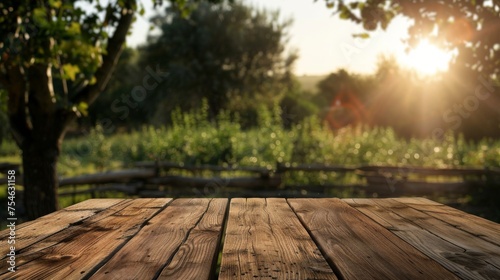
(265, 239)
(178, 243)
(459, 251)
(360, 247)
(71, 253)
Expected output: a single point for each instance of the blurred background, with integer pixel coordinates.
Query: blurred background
(314, 103)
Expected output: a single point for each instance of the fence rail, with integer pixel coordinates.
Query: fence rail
(156, 179)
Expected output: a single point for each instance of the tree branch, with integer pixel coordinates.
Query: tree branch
(113, 50)
(41, 96)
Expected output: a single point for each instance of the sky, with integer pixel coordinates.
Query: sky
(324, 42)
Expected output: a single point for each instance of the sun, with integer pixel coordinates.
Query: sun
(427, 59)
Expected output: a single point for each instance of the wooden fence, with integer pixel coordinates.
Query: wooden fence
(157, 179)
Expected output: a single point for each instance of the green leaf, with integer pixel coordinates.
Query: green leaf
(361, 35)
(345, 14)
(40, 17)
(70, 71)
(141, 10)
(74, 28)
(83, 107)
(55, 3)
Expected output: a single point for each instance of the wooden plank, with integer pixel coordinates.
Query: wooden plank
(36, 230)
(265, 239)
(476, 259)
(477, 226)
(197, 256)
(418, 201)
(359, 247)
(72, 253)
(94, 204)
(419, 237)
(43, 228)
(181, 240)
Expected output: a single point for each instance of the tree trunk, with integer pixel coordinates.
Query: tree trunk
(40, 176)
(38, 116)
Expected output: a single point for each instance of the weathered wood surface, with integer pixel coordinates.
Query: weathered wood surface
(264, 239)
(360, 248)
(255, 238)
(72, 253)
(466, 254)
(481, 228)
(35, 231)
(178, 243)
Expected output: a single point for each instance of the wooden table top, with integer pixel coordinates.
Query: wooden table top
(250, 238)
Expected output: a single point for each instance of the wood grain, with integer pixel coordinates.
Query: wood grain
(361, 248)
(477, 226)
(264, 239)
(179, 241)
(36, 230)
(273, 238)
(72, 253)
(467, 256)
(197, 256)
(97, 204)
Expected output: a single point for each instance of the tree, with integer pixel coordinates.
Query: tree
(342, 82)
(342, 98)
(224, 53)
(109, 109)
(4, 121)
(427, 107)
(470, 26)
(48, 45)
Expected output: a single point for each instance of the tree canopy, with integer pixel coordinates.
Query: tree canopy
(57, 56)
(224, 53)
(469, 26)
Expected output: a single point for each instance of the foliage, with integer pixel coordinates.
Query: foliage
(9, 149)
(296, 106)
(56, 57)
(113, 107)
(417, 107)
(342, 97)
(234, 56)
(194, 139)
(414, 106)
(469, 26)
(342, 82)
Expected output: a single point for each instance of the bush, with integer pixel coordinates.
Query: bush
(193, 139)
